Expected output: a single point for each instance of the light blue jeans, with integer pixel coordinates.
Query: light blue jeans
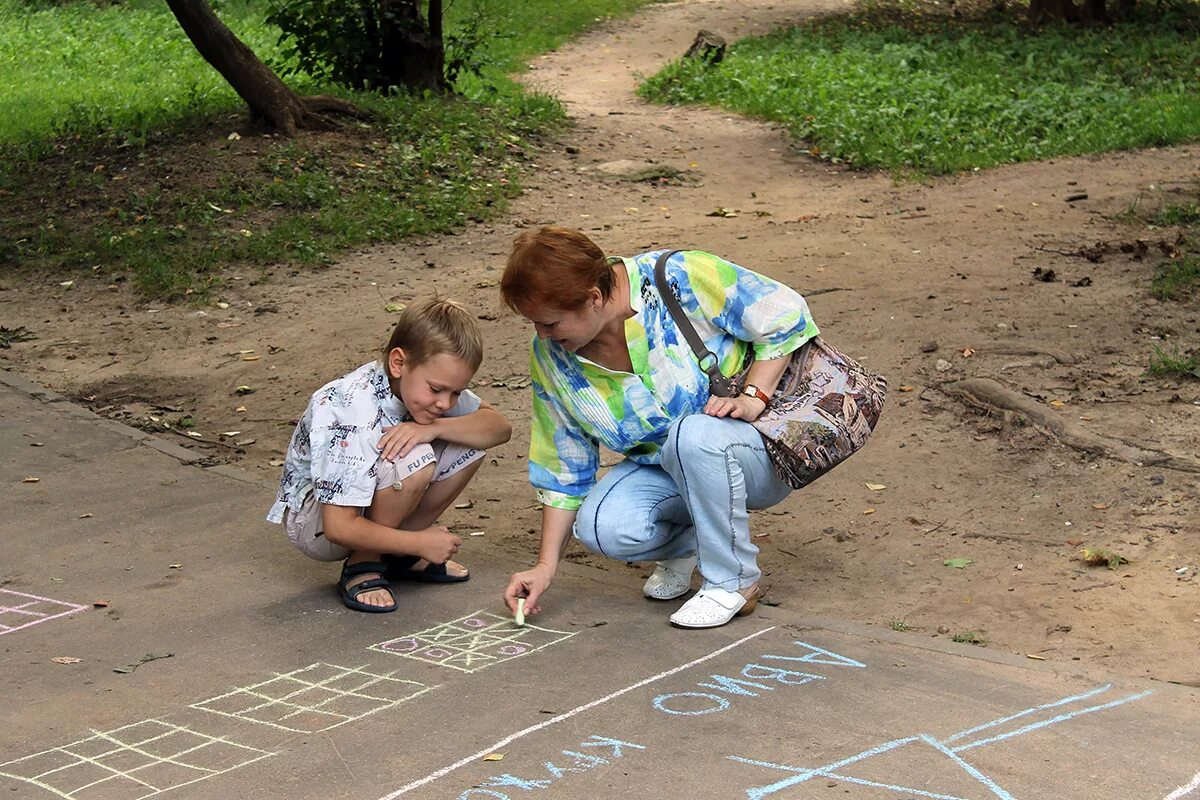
(713, 470)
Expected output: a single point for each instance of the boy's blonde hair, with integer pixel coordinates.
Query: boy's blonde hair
(434, 326)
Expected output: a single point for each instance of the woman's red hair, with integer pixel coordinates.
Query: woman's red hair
(554, 268)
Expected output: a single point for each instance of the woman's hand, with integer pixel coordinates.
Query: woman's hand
(398, 440)
(529, 584)
(745, 407)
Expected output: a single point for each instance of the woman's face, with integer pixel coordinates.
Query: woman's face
(570, 329)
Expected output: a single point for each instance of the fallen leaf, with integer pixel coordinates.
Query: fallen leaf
(721, 211)
(958, 563)
(904, 388)
(67, 284)
(276, 462)
(230, 433)
(875, 487)
(251, 358)
(1034, 657)
(244, 390)
(1057, 404)
(100, 604)
(478, 533)
(869, 511)
(30, 479)
(394, 308)
(175, 566)
(1102, 506)
(967, 352)
(66, 660)
(245, 442)
(222, 304)
(494, 757)
(86, 515)
(194, 434)
(1074, 542)
(240, 410)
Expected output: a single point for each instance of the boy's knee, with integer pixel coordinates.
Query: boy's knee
(410, 483)
(411, 473)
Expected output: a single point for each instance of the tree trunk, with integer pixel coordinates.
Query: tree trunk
(1094, 12)
(416, 56)
(267, 96)
(1042, 12)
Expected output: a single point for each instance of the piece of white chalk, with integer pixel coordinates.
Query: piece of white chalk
(519, 617)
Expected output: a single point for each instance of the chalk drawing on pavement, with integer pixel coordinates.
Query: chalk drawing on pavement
(473, 642)
(19, 610)
(854, 769)
(315, 698)
(135, 762)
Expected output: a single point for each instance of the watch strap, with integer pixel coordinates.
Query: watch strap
(754, 391)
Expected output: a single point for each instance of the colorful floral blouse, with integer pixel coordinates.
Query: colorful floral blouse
(579, 405)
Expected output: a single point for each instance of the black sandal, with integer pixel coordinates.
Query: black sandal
(350, 594)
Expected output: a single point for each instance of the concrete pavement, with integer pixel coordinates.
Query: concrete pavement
(214, 662)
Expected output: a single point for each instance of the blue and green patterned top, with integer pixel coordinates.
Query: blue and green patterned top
(579, 405)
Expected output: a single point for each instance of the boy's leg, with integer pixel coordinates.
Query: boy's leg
(390, 506)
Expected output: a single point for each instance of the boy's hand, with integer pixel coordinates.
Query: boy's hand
(398, 440)
(438, 545)
(529, 584)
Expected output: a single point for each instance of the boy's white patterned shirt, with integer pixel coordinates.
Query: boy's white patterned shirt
(334, 450)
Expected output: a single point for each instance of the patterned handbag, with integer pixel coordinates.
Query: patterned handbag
(823, 410)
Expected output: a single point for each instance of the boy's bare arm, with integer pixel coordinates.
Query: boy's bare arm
(481, 429)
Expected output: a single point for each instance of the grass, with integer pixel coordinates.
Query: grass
(904, 89)
(1178, 278)
(116, 159)
(968, 637)
(1173, 364)
(899, 625)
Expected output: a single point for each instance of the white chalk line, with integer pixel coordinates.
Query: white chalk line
(433, 776)
(1185, 790)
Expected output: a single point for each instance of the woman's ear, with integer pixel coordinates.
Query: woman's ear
(596, 298)
(395, 363)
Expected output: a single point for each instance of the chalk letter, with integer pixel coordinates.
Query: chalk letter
(778, 674)
(512, 780)
(615, 744)
(558, 772)
(758, 792)
(734, 686)
(820, 656)
(469, 793)
(660, 702)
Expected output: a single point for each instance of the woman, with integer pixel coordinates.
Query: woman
(610, 367)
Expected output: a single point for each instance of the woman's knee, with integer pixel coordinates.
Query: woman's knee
(611, 528)
(697, 436)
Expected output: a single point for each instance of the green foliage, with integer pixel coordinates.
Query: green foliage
(934, 96)
(1177, 279)
(114, 160)
(1174, 364)
(968, 637)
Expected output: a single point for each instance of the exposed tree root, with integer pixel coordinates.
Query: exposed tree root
(990, 395)
(1061, 356)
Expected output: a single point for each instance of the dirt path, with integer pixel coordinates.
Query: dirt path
(947, 261)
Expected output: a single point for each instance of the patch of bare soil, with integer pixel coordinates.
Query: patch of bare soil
(933, 283)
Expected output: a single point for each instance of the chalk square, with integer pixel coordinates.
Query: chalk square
(38, 764)
(164, 775)
(71, 779)
(236, 702)
(220, 755)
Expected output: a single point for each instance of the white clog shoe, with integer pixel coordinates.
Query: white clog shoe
(670, 579)
(711, 608)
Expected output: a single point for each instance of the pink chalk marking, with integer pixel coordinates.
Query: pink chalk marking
(436, 652)
(37, 616)
(474, 622)
(512, 650)
(400, 645)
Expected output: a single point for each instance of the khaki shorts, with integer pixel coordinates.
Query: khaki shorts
(304, 527)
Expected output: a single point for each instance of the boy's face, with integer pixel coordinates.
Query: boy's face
(431, 389)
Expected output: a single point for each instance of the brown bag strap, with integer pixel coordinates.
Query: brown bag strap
(719, 384)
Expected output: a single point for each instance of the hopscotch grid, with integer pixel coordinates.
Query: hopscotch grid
(71, 608)
(467, 645)
(372, 679)
(208, 740)
(1061, 702)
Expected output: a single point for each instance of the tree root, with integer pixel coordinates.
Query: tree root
(991, 396)
(1061, 356)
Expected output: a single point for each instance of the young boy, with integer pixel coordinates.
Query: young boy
(381, 452)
